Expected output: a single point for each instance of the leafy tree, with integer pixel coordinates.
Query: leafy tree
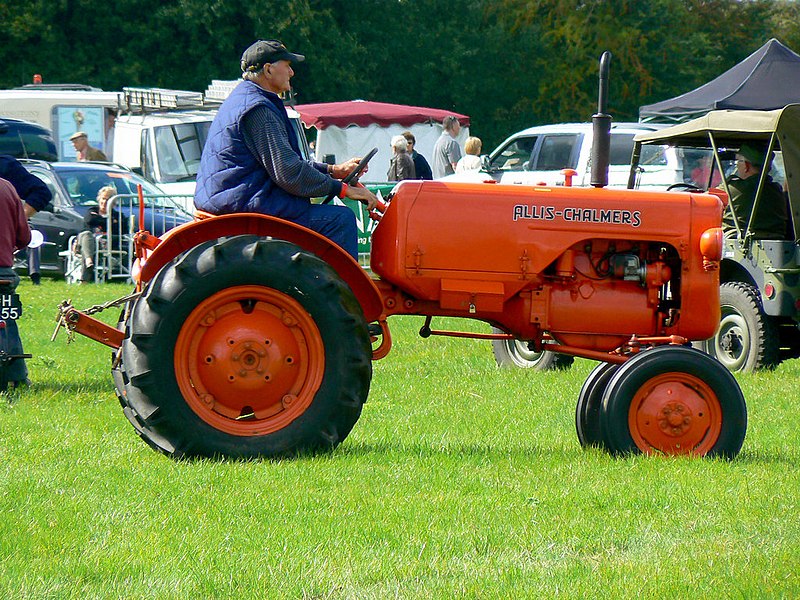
(506, 63)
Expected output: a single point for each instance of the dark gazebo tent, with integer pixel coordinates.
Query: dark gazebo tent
(768, 79)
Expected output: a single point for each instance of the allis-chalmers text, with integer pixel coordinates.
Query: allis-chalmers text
(578, 215)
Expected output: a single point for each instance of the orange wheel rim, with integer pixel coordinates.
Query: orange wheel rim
(675, 413)
(249, 360)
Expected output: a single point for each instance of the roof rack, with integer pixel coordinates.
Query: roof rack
(59, 87)
(220, 89)
(144, 100)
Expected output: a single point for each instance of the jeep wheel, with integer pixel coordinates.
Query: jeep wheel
(746, 339)
(515, 353)
(245, 347)
(673, 400)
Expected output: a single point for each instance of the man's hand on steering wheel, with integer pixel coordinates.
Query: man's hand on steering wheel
(353, 173)
(343, 170)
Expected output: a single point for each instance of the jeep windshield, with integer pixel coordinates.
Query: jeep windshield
(720, 133)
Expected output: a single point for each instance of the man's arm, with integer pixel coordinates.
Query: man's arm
(267, 139)
(454, 153)
(30, 188)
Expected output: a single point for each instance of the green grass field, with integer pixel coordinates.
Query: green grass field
(459, 481)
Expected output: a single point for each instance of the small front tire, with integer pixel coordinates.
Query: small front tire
(673, 400)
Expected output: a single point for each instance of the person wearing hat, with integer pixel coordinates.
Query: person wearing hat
(771, 217)
(80, 141)
(251, 161)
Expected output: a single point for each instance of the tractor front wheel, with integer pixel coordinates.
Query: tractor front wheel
(587, 411)
(673, 400)
(245, 347)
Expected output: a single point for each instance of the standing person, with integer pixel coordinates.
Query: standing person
(252, 162)
(95, 221)
(35, 197)
(771, 217)
(80, 141)
(14, 234)
(421, 166)
(471, 161)
(446, 151)
(111, 121)
(401, 166)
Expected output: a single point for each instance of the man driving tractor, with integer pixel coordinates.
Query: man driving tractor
(252, 160)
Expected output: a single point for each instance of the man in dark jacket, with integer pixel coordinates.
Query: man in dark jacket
(252, 162)
(771, 216)
(421, 166)
(35, 197)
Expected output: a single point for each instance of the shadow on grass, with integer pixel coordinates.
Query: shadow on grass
(456, 450)
(467, 450)
(91, 385)
(768, 457)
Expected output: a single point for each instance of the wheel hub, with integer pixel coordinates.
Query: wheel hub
(675, 419)
(675, 413)
(249, 360)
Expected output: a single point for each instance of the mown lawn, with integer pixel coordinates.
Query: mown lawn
(460, 481)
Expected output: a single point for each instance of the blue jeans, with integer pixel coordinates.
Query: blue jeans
(337, 223)
(9, 336)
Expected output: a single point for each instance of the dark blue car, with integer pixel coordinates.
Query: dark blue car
(74, 186)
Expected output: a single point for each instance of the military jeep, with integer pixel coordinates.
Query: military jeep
(759, 278)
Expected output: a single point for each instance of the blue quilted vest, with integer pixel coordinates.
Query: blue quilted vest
(230, 179)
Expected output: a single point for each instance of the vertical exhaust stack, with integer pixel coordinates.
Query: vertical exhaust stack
(601, 127)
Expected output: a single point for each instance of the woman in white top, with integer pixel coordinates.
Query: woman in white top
(471, 161)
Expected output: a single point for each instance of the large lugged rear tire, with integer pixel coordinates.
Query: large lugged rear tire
(245, 347)
(673, 400)
(518, 354)
(747, 339)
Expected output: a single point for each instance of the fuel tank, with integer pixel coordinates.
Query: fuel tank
(599, 263)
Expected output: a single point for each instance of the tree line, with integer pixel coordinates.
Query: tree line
(508, 64)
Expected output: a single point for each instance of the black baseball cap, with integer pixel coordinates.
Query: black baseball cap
(265, 52)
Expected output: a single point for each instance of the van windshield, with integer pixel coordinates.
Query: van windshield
(178, 150)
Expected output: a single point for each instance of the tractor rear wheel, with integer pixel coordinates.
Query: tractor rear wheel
(519, 354)
(747, 339)
(245, 347)
(673, 400)
(587, 411)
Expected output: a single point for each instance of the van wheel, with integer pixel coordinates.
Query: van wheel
(245, 347)
(518, 354)
(747, 339)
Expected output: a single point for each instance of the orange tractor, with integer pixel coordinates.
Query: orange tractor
(252, 336)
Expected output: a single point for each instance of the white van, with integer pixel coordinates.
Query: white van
(159, 133)
(63, 110)
(537, 156)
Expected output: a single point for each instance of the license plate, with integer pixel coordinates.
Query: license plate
(10, 307)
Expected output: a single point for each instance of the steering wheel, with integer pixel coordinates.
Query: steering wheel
(354, 174)
(682, 185)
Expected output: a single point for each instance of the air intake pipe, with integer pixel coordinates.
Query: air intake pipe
(601, 128)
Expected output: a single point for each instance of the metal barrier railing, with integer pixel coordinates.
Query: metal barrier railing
(162, 213)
